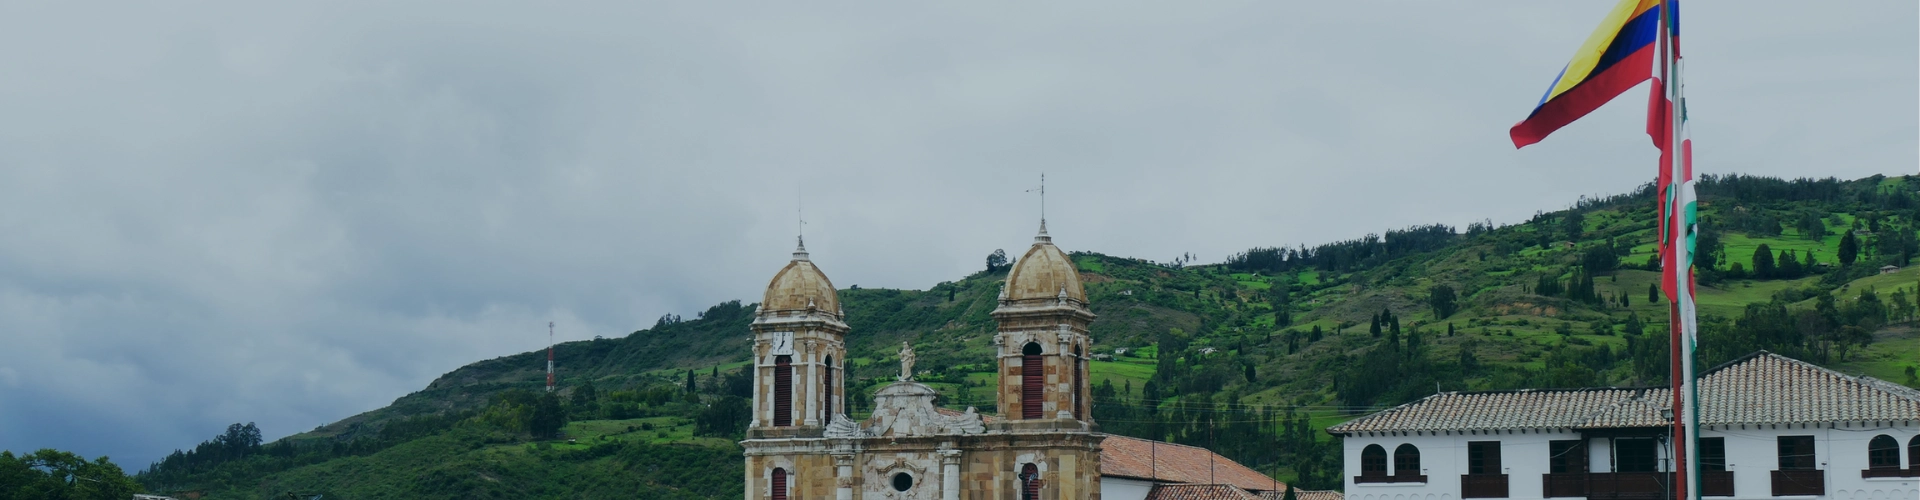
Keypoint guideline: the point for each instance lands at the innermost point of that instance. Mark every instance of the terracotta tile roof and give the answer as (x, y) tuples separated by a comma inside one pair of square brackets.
[(1760, 388), (1174, 463), (1770, 388), (1198, 492), (1303, 495)]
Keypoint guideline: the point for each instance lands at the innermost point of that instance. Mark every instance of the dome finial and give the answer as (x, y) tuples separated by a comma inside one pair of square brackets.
[(800, 253), (1042, 237)]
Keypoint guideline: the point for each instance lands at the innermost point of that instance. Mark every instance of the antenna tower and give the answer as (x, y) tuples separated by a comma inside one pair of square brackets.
[(549, 356)]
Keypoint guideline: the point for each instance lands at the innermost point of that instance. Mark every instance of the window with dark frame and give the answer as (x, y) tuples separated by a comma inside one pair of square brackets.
[(1796, 453), (1029, 482), (1567, 456), (1483, 457), (1913, 453), (826, 393), (779, 486), (1713, 454), (1883, 452), (782, 391), (1406, 461), (1636, 455), (1373, 461), (1033, 378)]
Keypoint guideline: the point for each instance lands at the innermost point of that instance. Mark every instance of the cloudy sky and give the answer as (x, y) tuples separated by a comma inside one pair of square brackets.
[(289, 213)]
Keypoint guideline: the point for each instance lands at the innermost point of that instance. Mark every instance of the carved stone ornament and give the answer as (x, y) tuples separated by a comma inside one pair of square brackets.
[(906, 409), (843, 427)]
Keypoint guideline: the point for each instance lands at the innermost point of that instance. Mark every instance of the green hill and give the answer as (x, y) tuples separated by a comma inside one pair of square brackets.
[(1251, 356)]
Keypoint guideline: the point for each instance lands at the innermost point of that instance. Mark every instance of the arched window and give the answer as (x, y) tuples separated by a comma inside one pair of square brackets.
[(1406, 460), (1913, 453), (1079, 365), (779, 487), (826, 391), (782, 391), (1029, 482), (1033, 379), (1883, 452), (1373, 461)]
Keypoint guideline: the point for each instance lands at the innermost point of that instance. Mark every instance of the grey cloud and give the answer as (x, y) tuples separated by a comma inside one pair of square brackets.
[(291, 213)]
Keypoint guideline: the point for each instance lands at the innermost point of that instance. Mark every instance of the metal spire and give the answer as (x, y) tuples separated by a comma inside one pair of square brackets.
[(800, 214), (1042, 237)]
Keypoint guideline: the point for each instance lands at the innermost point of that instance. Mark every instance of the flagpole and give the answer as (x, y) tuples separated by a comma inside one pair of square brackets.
[(1676, 326), (1686, 481), (1683, 165)]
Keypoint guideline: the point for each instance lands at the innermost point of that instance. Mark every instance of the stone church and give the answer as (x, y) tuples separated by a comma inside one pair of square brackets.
[(1042, 444)]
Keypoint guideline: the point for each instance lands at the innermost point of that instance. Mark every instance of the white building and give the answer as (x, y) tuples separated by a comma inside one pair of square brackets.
[(1772, 427)]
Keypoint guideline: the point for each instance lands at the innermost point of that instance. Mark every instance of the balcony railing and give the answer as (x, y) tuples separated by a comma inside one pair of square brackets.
[(1799, 482), (1629, 485), (1716, 483), (1397, 478), (1888, 472), (1483, 486)]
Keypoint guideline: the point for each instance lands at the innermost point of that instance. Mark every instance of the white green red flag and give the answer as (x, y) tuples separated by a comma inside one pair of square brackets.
[(1613, 59)]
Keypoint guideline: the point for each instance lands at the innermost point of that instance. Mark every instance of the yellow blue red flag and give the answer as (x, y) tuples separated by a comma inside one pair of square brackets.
[(1617, 56)]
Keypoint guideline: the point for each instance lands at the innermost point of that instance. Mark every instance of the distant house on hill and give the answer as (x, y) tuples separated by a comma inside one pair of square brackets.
[(1772, 427), (1889, 269)]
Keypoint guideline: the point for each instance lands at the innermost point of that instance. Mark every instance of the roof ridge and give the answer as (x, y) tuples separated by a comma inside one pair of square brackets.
[(1164, 442)]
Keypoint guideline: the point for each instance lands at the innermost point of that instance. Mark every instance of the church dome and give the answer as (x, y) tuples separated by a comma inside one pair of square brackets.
[(1044, 272), (800, 286)]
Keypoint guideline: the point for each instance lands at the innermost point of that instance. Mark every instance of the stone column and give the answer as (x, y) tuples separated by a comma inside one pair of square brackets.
[(810, 412), (949, 473), (843, 476)]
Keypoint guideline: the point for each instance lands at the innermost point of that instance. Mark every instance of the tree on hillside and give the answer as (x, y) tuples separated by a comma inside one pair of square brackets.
[(998, 261), (1810, 225), (1763, 262), (585, 394), (548, 417), (726, 417), (1787, 266), (1653, 293), (1442, 299), (1708, 250), (1374, 327), (690, 386), (51, 473), (1849, 248), (1314, 335)]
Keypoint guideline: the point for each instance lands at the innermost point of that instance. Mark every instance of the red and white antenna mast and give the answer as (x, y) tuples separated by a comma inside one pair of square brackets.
[(549, 356)]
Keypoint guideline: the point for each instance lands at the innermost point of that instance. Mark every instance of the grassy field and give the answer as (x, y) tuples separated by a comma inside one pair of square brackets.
[(1892, 352), (1123, 370)]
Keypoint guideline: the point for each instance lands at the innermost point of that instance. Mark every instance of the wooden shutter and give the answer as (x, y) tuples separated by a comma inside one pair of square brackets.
[(783, 391), (779, 484), (1029, 482), (1033, 380)]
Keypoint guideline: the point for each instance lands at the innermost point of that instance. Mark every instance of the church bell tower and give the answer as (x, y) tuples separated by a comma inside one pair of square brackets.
[(799, 351), (1043, 338)]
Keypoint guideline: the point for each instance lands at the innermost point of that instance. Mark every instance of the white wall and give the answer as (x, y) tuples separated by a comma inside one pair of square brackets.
[(1752, 454), (1120, 488), (1523, 457)]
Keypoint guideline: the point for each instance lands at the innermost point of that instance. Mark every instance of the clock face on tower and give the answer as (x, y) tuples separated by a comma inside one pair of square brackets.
[(782, 343)]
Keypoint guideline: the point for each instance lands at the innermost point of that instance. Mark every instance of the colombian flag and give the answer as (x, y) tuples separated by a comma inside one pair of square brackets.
[(1619, 55)]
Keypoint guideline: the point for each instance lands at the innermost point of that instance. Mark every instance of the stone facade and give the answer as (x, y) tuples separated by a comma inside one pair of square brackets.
[(909, 448)]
